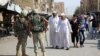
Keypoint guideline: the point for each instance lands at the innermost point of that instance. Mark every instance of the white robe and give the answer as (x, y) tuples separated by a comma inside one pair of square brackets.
[(64, 30), (90, 24), (53, 24)]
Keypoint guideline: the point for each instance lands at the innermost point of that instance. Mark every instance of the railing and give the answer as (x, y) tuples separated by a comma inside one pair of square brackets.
[(2, 31)]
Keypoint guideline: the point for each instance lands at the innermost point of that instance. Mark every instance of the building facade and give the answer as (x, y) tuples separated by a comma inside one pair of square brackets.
[(59, 7), (93, 6), (84, 7), (90, 6), (40, 5)]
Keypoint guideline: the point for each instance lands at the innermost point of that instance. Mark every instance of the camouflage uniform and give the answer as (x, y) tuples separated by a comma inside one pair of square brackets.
[(21, 35), (38, 37)]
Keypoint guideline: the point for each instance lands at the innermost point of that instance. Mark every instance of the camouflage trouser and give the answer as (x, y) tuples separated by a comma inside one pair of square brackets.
[(22, 41), (38, 37)]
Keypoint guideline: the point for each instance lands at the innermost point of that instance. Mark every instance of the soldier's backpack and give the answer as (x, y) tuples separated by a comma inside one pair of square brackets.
[(37, 24), (19, 26)]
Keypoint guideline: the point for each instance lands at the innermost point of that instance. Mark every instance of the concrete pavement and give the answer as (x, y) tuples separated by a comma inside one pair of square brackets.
[(8, 48)]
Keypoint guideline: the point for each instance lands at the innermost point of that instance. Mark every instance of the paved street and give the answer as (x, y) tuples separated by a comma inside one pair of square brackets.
[(8, 48)]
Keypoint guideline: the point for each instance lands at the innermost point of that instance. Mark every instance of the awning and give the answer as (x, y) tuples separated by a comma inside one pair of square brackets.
[(3, 2), (26, 11), (11, 7), (3, 5), (18, 9), (14, 7)]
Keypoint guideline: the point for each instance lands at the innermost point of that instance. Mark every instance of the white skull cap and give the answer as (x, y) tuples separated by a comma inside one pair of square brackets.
[(36, 11), (62, 14), (54, 11)]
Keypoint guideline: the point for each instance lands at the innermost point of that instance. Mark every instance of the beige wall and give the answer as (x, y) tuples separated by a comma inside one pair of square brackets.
[(91, 5), (84, 5), (24, 3), (59, 7), (40, 5), (1, 18)]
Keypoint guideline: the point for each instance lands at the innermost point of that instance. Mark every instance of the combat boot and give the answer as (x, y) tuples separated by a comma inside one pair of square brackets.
[(18, 49), (17, 52), (44, 54), (24, 52), (36, 54), (24, 55)]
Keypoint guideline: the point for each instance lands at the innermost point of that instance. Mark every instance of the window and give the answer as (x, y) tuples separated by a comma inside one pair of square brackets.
[(36, 1)]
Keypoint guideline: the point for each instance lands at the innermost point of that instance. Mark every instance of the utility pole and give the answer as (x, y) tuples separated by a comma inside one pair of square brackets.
[(98, 5), (52, 5), (33, 4)]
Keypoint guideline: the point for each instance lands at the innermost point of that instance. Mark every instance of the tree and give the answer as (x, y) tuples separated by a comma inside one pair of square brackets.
[(77, 11)]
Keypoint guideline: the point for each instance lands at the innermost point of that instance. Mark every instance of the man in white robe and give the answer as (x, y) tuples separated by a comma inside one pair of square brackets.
[(90, 23), (65, 31), (53, 24)]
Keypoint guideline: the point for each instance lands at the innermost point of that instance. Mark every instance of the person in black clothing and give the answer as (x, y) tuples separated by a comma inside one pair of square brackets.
[(95, 25), (75, 29)]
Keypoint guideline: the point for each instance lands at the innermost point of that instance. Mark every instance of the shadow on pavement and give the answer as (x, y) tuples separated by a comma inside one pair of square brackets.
[(91, 43), (98, 36), (99, 44), (58, 48), (39, 48), (89, 36), (30, 47), (49, 48), (7, 55), (99, 48)]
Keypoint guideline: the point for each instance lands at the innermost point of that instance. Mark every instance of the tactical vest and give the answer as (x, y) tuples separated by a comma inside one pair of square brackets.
[(19, 26), (37, 24)]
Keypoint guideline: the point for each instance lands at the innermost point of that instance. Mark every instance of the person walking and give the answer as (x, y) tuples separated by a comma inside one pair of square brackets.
[(90, 17), (64, 29), (53, 24), (82, 30), (21, 32), (75, 28), (38, 25), (95, 25)]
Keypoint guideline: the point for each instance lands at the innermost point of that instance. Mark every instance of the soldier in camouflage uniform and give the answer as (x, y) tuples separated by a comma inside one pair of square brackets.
[(38, 25), (21, 33)]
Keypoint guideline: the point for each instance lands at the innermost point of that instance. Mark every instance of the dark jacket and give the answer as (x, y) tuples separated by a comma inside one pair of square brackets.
[(95, 22), (75, 26)]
